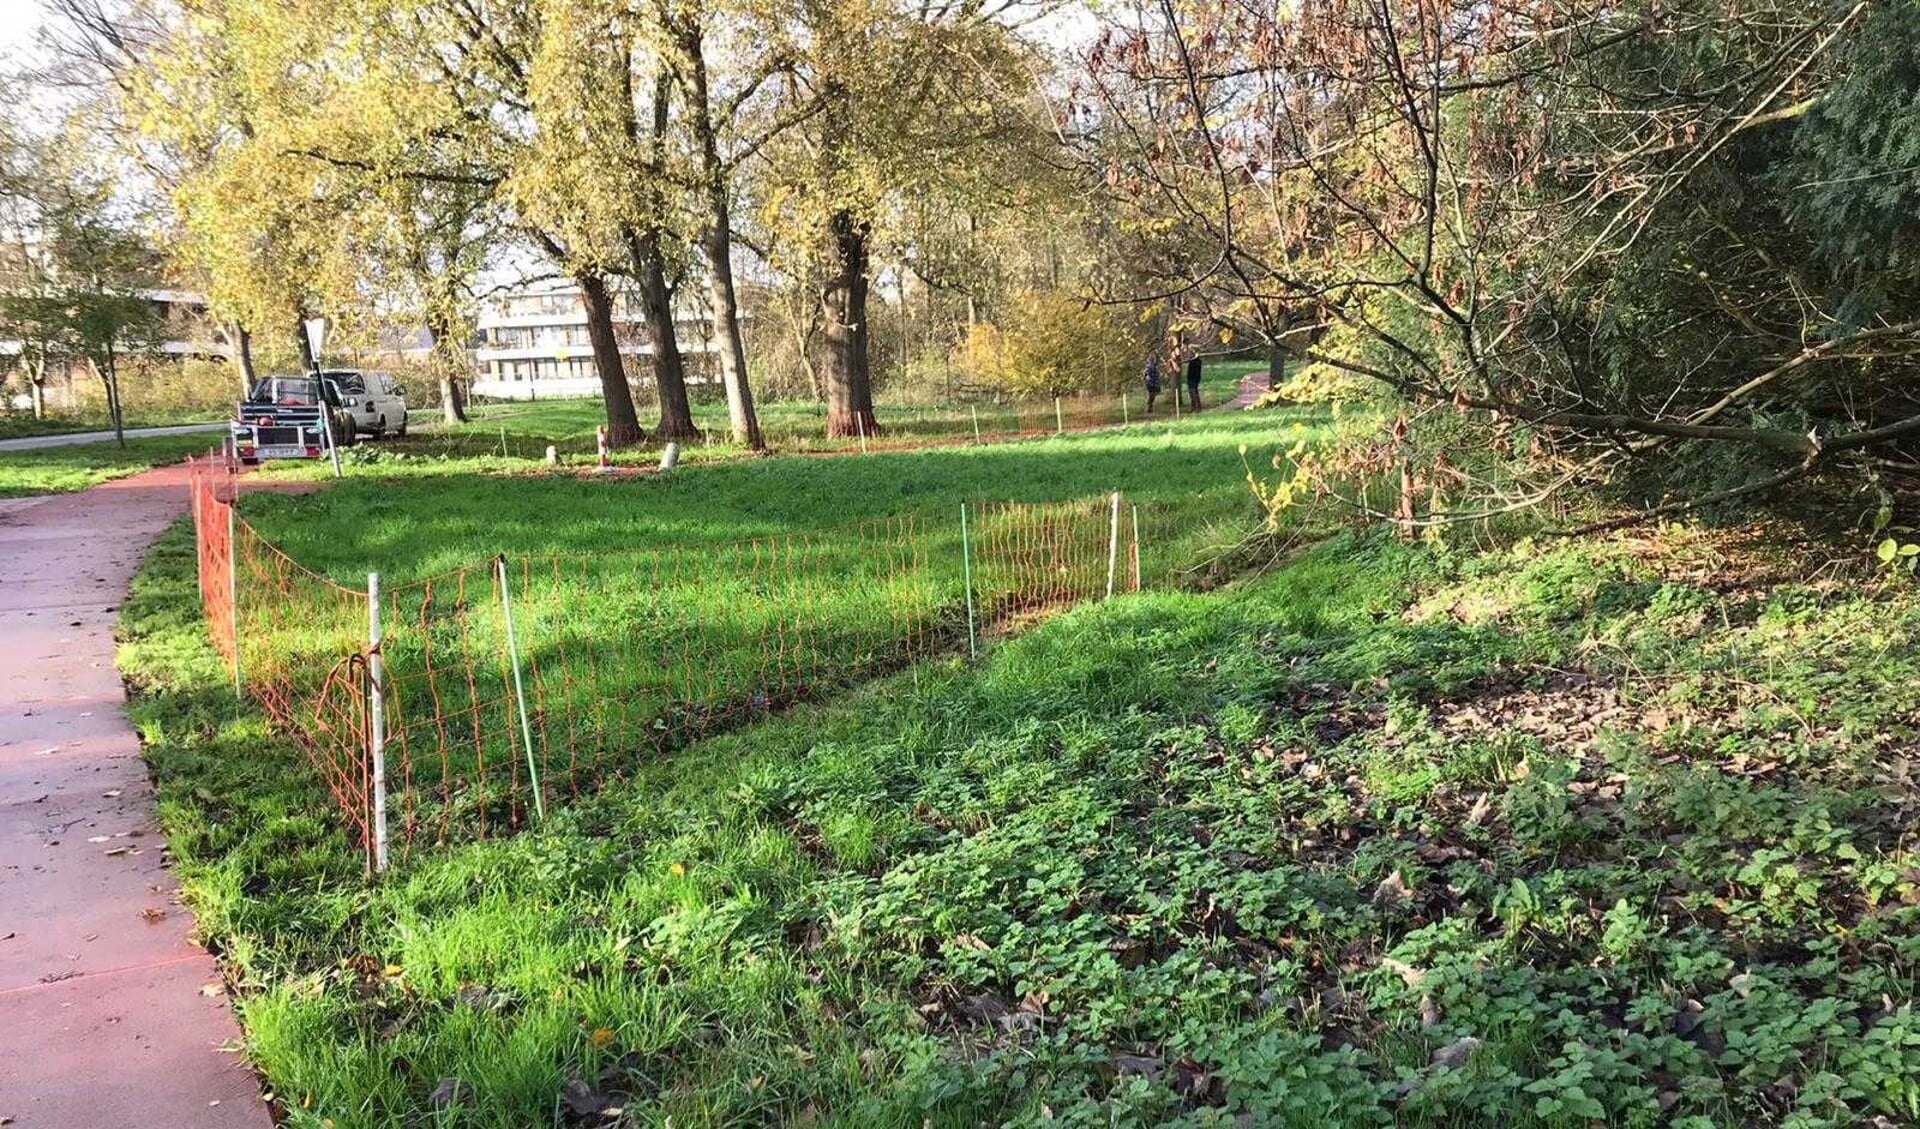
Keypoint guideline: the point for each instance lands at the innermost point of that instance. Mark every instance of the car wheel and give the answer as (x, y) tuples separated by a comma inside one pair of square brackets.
[(346, 434), (401, 431)]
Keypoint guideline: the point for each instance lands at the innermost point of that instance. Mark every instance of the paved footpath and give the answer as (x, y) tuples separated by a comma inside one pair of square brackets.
[(110, 1016), (1252, 387)]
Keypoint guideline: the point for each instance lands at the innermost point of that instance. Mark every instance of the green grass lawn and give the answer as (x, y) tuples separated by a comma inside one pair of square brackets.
[(16, 425), (519, 434), (58, 470), (412, 517), (1608, 833), (652, 610), (524, 430)]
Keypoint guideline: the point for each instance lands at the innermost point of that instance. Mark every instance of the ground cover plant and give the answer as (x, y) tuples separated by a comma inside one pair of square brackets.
[(1546, 835)]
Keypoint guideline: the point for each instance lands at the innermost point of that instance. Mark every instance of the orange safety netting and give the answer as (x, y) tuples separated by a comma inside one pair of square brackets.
[(511, 686), (294, 640)]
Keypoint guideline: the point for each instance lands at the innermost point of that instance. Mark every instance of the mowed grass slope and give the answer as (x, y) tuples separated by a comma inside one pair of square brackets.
[(644, 617), (1599, 834), (412, 519), (59, 470), (528, 427)]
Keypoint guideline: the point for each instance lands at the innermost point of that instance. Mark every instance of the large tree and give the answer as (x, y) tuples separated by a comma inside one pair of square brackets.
[(897, 101), (1569, 217), (82, 271), (729, 114)]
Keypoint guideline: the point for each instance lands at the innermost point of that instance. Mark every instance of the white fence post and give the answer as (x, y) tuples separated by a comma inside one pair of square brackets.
[(376, 724), (1059, 421), (1113, 543), (519, 689)]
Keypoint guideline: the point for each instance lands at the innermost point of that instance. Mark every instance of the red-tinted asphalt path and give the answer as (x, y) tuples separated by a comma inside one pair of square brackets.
[(1252, 387), (103, 1021)]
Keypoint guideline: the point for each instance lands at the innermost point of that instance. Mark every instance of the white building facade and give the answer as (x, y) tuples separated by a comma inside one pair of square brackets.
[(532, 342)]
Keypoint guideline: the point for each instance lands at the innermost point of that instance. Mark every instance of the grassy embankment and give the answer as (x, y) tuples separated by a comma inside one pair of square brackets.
[(18, 425), (519, 433), (641, 612), (1605, 832), (59, 470), (516, 436)]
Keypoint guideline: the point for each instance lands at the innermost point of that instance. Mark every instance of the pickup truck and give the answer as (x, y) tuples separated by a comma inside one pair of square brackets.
[(287, 417), (296, 417)]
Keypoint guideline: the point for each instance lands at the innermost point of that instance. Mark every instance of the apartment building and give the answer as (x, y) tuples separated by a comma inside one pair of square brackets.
[(532, 342), (184, 331)]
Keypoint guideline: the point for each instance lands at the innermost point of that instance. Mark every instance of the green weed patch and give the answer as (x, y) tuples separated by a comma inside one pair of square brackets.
[(1530, 838)]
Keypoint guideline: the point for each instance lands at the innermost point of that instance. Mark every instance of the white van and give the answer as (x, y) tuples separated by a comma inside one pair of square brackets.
[(371, 401)]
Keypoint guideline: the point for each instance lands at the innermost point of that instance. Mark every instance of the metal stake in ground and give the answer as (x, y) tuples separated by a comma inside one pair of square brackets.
[(376, 726), (1059, 421), (326, 428), (1136, 548), (316, 331), (974, 408), (519, 689), (966, 565), (1113, 543)]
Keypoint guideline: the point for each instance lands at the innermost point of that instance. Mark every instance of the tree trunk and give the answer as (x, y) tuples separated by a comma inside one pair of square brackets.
[(35, 366), (726, 326), (849, 387), (103, 367), (445, 351), (1276, 364), (719, 240), (623, 423), (451, 408), (308, 362), (242, 340), (669, 373)]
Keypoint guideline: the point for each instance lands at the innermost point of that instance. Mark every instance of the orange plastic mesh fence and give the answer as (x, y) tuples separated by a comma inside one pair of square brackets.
[(295, 640), (907, 428), (510, 687)]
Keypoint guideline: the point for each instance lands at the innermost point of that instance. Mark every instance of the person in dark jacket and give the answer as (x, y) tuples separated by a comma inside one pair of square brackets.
[(1193, 382), (1153, 380)]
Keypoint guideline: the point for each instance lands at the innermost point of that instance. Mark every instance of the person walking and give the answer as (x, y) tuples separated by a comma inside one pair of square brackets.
[(1153, 380), (1193, 382)]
